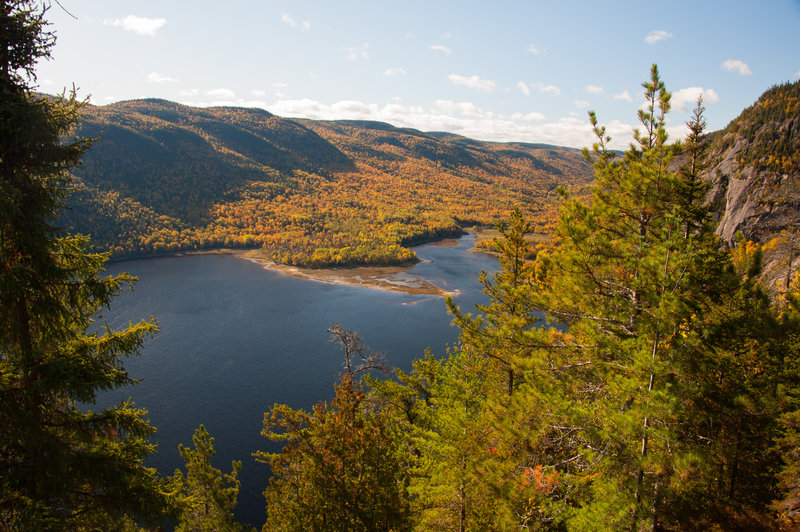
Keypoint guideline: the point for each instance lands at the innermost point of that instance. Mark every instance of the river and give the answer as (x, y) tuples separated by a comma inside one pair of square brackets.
[(236, 337)]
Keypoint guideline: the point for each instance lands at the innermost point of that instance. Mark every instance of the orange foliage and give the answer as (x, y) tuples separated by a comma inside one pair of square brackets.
[(539, 479)]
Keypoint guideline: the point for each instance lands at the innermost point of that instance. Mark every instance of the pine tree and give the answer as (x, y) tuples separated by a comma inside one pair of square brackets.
[(498, 331), (691, 188), (210, 495), (61, 466), (652, 398)]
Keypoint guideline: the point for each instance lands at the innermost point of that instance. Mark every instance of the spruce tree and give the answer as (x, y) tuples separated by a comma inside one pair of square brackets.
[(63, 465)]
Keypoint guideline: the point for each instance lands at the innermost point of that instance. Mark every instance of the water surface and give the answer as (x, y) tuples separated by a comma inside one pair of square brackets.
[(236, 338)]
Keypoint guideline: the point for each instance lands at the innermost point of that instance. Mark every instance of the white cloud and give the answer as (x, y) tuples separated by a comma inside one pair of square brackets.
[(685, 99), (657, 35), (190, 92), (221, 99), (797, 74), (258, 93), (593, 89), (353, 108), (304, 108), (533, 49), (521, 85), (624, 95), (440, 48), (394, 72), (225, 94), (461, 108), (155, 77), (462, 118), (581, 104), (287, 19), (734, 64), (529, 117), (473, 82), (140, 25), (355, 53), (547, 89), (278, 89)]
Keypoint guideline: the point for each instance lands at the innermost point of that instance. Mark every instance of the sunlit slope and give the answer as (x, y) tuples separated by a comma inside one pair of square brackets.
[(167, 177)]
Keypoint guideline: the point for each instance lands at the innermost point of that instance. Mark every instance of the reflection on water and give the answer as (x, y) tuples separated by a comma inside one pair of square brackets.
[(236, 338)]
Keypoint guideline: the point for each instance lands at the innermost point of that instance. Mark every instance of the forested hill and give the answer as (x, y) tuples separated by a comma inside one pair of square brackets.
[(754, 172), (167, 177)]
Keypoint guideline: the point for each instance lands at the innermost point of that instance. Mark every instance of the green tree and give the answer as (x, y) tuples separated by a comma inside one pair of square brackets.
[(210, 495), (691, 188), (61, 466), (651, 400), (454, 455), (499, 331)]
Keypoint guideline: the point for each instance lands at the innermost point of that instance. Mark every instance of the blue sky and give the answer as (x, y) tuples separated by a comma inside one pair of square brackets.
[(501, 71)]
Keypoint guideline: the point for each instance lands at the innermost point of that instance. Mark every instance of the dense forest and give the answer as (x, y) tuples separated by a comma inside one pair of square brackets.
[(166, 178), (634, 375), (637, 376)]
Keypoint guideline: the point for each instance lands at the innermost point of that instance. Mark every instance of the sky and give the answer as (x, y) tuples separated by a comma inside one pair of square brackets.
[(506, 71)]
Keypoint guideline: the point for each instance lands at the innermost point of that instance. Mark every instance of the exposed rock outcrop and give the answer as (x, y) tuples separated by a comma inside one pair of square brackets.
[(754, 174)]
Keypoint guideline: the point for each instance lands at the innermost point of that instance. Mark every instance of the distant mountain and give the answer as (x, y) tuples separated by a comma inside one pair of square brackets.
[(179, 160), (167, 177), (755, 177)]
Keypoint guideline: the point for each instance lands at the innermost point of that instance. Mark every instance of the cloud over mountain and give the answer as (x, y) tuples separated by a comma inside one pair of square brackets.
[(155, 77), (685, 99)]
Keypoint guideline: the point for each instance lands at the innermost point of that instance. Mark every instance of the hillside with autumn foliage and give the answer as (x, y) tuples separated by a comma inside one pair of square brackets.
[(164, 177), (754, 177)]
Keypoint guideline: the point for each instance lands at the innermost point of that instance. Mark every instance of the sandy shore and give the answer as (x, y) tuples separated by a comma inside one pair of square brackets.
[(393, 278)]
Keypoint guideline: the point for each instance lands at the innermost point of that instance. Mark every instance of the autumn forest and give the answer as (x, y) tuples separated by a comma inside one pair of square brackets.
[(635, 368), (168, 178)]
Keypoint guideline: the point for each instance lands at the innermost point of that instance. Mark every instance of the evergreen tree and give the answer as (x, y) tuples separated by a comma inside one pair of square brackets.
[(61, 467), (210, 495), (690, 188), (498, 332), (652, 399), (453, 451)]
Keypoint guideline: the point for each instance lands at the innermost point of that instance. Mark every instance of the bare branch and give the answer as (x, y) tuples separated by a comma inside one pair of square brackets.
[(358, 358)]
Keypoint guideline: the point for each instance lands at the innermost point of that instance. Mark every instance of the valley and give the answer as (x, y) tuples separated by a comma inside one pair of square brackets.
[(166, 178)]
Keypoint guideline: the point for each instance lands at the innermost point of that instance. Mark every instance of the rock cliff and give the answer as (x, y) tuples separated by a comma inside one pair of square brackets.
[(754, 174)]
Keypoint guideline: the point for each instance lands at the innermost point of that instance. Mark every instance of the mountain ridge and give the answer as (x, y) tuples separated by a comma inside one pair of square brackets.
[(169, 177)]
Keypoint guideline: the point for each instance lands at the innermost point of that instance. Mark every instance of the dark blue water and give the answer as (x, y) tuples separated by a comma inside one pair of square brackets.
[(236, 338)]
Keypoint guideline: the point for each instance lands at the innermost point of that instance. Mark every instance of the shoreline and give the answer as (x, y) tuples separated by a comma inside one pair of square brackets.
[(390, 278), (377, 277)]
